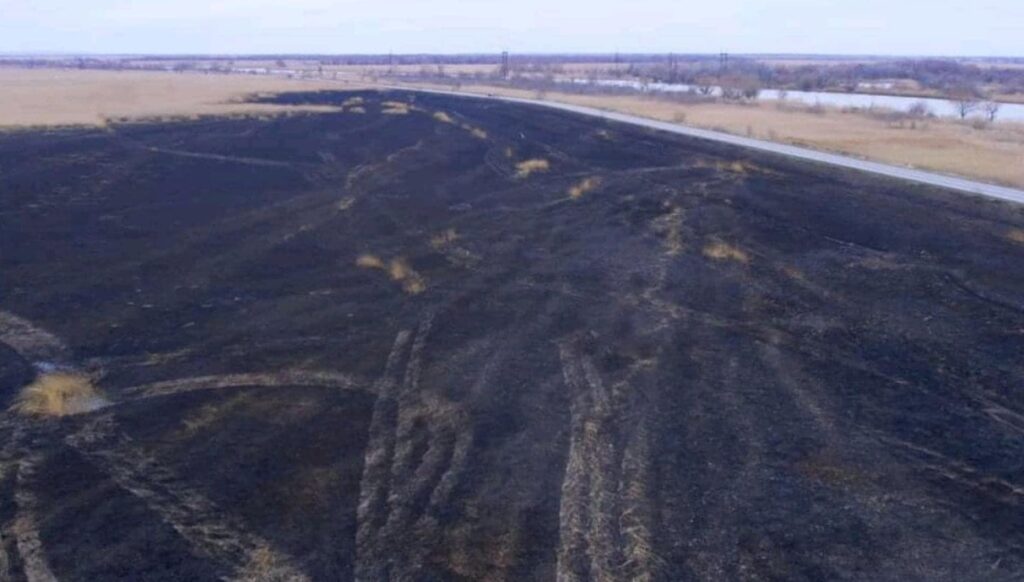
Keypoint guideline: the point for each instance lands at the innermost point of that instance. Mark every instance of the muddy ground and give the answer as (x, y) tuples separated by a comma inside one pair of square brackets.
[(376, 345)]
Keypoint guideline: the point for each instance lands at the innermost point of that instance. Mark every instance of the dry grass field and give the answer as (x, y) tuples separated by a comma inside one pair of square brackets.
[(73, 97), (39, 97), (994, 154)]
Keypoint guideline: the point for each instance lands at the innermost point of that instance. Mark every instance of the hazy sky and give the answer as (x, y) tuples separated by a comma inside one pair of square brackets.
[(907, 27)]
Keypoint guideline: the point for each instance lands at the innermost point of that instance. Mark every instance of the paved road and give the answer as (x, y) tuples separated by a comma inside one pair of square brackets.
[(930, 178)]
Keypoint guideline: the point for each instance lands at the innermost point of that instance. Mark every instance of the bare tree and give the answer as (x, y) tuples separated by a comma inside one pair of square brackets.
[(705, 85), (751, 89), (919, 109), (991, 109), (965, 99)]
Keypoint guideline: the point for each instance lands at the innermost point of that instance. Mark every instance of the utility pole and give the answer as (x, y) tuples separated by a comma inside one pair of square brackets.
[(723, 61), (506, 67)]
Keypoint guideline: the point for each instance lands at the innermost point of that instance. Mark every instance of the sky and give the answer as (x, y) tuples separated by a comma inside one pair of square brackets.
[(890, 27)]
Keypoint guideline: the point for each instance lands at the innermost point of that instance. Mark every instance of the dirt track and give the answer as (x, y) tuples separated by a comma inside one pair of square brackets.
[(369, 346)]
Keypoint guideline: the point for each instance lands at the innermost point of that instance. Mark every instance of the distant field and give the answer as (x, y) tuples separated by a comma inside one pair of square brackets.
[(73, 97), (994, 154)]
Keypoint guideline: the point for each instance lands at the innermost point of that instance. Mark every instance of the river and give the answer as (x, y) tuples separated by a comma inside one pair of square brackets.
[(939, 107)]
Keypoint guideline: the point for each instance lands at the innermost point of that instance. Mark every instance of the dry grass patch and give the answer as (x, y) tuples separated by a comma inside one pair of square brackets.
[(443, 239), (395, 108), (721, 251), (672, 226), (443, 117), (586, 185), (370, 262), (352, 101), (59, 394), (346, 203), (398, 269), (475, 132), (1016, 235), (41, 97), (357, 110), (525, 168), (402, 272)]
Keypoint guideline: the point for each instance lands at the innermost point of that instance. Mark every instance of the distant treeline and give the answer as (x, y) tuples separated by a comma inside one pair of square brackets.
[(944, 76)]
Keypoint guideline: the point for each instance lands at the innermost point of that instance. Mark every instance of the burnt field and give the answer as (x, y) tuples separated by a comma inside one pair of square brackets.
[(429, 338)]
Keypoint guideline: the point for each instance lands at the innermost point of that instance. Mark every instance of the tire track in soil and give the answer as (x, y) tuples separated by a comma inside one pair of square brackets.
[(33, 343), (371, 514), (37, 346), (26, 523), (261, 380), (605, 528), (417, 449), (200, 522)]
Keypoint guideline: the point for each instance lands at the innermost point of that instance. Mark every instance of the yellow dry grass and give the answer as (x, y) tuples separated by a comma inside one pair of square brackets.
[(475, 132), (586, 185), (398, 269), (45, 97), (721, 251), (1016, 235), (370, 262), (402, 272), (444, 238), (59, 394), (395, 108), (525, 168), (993, 154), (443, 117)]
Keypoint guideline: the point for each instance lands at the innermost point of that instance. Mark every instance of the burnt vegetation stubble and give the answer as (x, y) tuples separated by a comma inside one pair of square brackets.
[(707, 364)]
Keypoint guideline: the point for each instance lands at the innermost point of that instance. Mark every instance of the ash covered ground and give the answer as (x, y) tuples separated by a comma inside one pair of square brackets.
[(431, 338)]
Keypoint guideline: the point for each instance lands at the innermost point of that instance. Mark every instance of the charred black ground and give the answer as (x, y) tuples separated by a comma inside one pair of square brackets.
[(376, 344)]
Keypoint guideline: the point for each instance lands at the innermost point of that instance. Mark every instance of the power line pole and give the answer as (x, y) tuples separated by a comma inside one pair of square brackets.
[(506, 67)]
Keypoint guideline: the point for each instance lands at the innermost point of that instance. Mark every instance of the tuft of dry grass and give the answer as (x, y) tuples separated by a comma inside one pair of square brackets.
[(395, 108), (721, 251), (586, 185), (737, 167), (475, 132), (527, 167), (59, 394), (1016, 235), (443, 117), (352, 101), (346, 203), (370, 262), (398, 269), (358, 110), (444, 239), (412, 282)]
